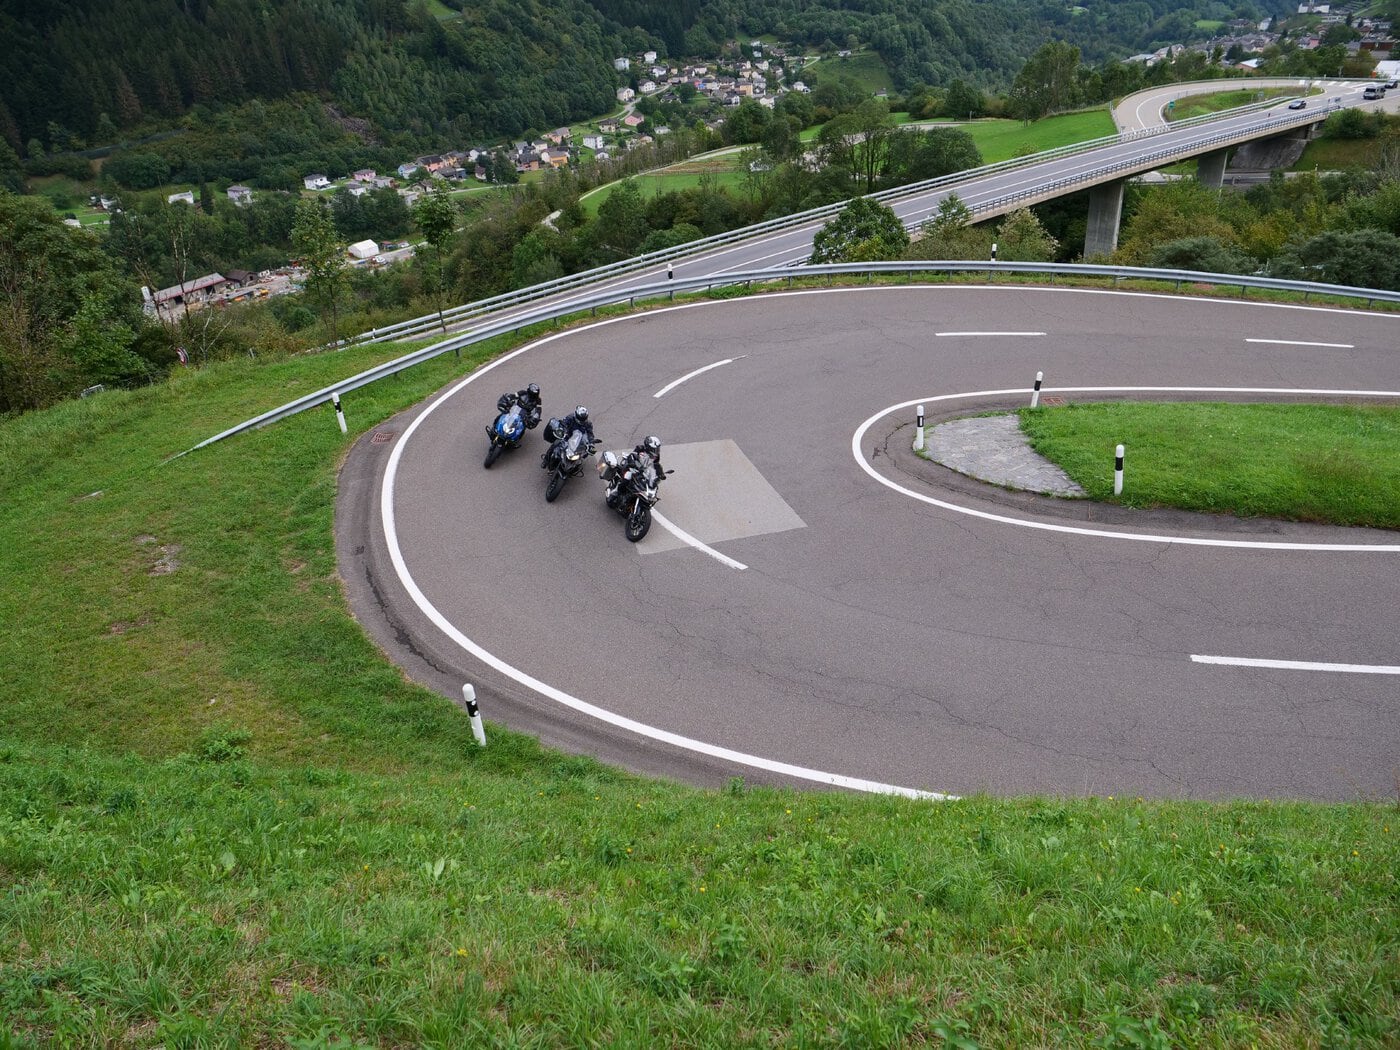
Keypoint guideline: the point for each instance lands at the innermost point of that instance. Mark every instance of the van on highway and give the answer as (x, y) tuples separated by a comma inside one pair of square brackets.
[(1372, 91)]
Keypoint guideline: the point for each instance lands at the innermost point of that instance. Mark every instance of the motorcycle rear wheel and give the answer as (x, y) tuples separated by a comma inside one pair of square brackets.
[(556, 485), (492, 454), (638, 522)]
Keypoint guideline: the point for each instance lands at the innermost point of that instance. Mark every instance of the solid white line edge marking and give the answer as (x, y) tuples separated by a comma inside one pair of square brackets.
[(691, 375), (1294, 665), (942, 335), (391, 540), (1144, 537), (1299, 342), (704, 548), (836, 780)]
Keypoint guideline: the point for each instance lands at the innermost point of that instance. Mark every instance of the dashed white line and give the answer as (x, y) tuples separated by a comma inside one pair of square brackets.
[(691, 375), (945, 334), (704, 548), (1294, 665), (1299, 342)]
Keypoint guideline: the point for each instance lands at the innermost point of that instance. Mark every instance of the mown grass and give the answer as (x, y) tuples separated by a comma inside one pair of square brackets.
[(1338, 464), (1003, 139), (226, 821), (1329, 154), (866, 68), (1199, 105)]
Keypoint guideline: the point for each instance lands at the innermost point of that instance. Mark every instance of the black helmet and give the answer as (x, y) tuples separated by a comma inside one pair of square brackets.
[(581, 414), (533, 390), (653, 444)]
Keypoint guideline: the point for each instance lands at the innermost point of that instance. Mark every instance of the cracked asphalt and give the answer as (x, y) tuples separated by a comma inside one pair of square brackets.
[(888, 639)]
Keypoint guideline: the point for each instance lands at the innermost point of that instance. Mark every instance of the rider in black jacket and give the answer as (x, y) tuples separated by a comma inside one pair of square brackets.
[(529, 401), (577, 420), (650, 446)]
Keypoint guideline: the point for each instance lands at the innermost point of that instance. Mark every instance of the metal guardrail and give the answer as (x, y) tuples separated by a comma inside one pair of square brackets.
[(669, 289), (506, 300)]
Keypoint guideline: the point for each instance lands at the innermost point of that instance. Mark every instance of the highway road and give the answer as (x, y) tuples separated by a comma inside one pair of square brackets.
[(853, 615)]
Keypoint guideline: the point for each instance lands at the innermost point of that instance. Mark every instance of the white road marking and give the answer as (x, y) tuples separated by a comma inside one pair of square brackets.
[(1298, 342), (686, 538), (686, 743), (416, 595), (1295, 665), (943, 334), (691, 375), (1143, 537)]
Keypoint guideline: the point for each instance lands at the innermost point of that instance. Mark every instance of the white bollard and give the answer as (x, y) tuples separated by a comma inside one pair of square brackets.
[(994, 251), (339, 415), (670, 273), (919, 431), (1035, 394), (474, 713), (1118, 471)]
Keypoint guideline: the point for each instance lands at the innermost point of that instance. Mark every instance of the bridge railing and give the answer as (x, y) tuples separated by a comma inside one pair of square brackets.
[(509, 300), (670, 288)]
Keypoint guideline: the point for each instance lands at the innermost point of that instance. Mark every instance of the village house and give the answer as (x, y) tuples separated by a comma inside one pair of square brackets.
[(622, 64), (356, 188), (366, 175), (240, 195), (625, 94), (648, 56), (193, 293), (406, 169), (593, 142), (559, 136), (607, 127), (315, 182), (648, 87), (632, 120), (240, 278)]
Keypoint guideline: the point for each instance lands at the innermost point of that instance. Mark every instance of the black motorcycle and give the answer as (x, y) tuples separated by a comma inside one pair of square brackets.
[(564, 459), (632, 491)]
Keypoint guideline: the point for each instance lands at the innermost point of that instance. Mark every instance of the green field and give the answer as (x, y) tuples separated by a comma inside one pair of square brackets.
[(722, 171), (1199, 105), (1322, 463), (1328, 154), (225, 820), (866, 68), (1003, 139)]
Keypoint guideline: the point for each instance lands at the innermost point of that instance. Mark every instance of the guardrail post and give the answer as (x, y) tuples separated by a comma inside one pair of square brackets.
[(919, 430), (1118, 471), (339, 415), (1035, 393)]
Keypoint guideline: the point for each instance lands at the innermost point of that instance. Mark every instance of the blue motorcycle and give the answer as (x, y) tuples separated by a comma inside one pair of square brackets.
[(506, 432)]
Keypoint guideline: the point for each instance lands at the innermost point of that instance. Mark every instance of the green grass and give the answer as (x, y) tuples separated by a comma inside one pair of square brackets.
[(226, 821), (1003, 139), (1324, 463), (866, 68), (1199, 105), (723, 171), (1329, 154)]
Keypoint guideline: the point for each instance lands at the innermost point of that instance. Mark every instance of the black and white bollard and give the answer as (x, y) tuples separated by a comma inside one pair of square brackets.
[(1035, 394), (474, 713), (919, 431), (670, 273), (994, 251), (339, 415), (1118, 471)]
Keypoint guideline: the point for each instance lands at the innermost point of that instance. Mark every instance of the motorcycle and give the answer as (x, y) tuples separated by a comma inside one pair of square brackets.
[(565, 459), (632, 492), (505, 432)]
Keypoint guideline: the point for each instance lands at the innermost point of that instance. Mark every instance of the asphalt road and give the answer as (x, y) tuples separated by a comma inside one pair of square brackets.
[(882, 637)]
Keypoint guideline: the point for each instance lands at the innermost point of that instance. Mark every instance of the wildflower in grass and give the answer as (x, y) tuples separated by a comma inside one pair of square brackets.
[(462, 952), (702, 889)]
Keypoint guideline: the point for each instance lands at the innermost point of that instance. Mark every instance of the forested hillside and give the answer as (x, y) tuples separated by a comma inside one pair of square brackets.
[(78, 72), (84, 72)]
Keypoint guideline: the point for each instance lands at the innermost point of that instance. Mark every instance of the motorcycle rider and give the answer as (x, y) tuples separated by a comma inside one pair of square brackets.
[(576, 421), (648, 448), (529, 401)]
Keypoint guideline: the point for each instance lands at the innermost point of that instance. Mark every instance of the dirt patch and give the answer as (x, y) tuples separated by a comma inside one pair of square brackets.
[(122, 626), (169, 560)]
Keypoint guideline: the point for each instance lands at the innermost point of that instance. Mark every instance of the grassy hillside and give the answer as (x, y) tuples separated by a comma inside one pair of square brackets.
[(226, 821)]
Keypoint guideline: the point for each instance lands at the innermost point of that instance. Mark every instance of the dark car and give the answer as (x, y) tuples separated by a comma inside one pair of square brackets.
[(1297, 103)]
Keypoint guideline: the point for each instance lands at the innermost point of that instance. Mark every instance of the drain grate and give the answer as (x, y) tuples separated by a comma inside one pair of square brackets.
[(1047, 400), (383, 437)]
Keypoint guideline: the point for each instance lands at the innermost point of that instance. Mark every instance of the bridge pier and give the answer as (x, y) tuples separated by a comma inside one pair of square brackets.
[(1105, 216), (1210, 168)]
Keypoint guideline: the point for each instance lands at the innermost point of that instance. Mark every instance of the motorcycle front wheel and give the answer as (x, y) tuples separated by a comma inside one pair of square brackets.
[(638, 522), (556, 485), (492, 454)]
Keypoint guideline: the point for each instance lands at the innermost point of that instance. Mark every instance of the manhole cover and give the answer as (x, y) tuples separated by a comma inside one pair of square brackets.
[(1048, 400), (383, 437)]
